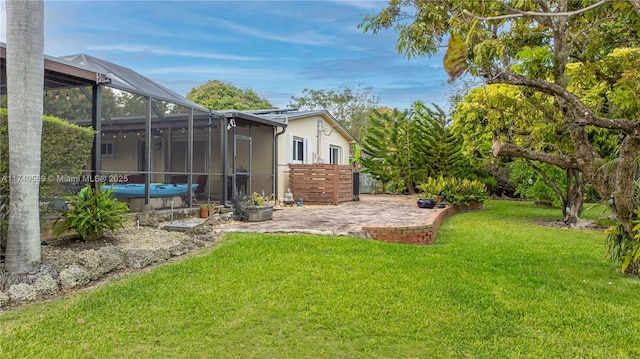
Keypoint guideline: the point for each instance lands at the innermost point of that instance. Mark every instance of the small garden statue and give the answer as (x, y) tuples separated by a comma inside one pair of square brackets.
[(288, 198)]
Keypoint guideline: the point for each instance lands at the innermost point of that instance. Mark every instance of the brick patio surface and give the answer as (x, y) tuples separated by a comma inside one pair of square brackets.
[(347, 218)]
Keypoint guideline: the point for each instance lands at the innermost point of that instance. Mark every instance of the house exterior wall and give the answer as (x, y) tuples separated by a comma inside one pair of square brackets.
[(306, 128)]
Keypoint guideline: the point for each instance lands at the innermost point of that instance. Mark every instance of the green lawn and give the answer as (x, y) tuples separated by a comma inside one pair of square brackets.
[(494, 285)]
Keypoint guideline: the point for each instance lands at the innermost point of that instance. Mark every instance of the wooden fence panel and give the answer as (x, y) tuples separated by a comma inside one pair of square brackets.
[(321, 183)]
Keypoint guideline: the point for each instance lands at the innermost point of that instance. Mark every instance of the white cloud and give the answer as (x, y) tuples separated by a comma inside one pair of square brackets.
[(305, 38), (136, 48), (220, 72)]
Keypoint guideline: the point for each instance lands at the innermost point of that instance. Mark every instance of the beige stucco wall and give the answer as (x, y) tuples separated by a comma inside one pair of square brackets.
[(307, 127), (125, 158)]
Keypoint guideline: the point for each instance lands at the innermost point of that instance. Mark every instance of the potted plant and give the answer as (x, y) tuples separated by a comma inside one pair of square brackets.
[(207, 210), (432, 192), (204, 211), (257, 207)]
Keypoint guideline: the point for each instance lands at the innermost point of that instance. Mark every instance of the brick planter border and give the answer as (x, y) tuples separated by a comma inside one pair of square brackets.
[(424, 234)]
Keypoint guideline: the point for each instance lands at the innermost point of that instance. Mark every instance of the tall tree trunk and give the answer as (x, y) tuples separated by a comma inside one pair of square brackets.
[(25, 80), (574, 200), (625, 176)]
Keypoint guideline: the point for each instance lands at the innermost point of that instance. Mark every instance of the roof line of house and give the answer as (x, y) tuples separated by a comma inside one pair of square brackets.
[(290, 114)]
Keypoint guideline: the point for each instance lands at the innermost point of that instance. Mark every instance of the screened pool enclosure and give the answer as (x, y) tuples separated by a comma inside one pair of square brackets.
[(150, 136)]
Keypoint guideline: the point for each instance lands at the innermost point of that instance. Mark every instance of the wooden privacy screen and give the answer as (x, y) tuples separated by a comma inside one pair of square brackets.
[(321, 184)]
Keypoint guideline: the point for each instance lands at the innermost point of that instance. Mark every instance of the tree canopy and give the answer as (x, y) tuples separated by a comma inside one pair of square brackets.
[(404, 148), (217, 95), (350, 106), (534, 45)]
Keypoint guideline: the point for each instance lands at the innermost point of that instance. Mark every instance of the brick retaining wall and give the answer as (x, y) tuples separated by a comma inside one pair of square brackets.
[(423, 234)]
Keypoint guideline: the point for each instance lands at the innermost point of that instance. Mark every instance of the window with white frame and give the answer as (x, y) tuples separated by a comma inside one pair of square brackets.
[(334, 154), (106, 149), (298, 149)]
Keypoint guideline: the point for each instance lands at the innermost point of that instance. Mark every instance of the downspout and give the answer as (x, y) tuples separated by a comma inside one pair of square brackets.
[(275, 166), (319, 136)]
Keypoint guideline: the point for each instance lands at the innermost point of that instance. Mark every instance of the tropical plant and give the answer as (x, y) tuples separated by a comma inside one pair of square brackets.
[(433, 187), (260, 199), (623, 249), (356, 160), (409, 146), (632, 259), (92, 212), (64, 150), (454, 190)]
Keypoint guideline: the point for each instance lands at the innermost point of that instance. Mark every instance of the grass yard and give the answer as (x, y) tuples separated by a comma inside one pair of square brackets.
[(494, 285)]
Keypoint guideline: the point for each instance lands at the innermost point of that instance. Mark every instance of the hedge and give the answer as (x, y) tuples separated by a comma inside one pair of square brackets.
[(66, 147)]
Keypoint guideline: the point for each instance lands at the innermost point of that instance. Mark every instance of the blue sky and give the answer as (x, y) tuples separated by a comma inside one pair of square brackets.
[(276, 48)]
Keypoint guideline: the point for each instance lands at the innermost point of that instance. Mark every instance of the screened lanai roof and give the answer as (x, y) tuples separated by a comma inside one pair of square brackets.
[(58, 73), (125, 79), (85, 70)]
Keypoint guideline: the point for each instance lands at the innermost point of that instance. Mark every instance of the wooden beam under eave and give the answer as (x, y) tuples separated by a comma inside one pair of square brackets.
[(54, 66)]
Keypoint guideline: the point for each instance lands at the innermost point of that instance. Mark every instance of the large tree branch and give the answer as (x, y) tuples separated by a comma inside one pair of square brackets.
[(636, 5), (519, 13), (588, 117), (548, 180), (510, 150)]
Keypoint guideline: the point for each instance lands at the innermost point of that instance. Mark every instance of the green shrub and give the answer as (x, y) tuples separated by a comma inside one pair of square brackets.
[(455, 190), (433, 187), (91, 212), (617, 243), (64, 152), (65, 148), (257, 199), (532, 185), (623, 248)]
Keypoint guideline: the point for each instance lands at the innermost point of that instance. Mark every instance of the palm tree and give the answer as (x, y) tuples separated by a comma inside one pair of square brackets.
[(25, 80)]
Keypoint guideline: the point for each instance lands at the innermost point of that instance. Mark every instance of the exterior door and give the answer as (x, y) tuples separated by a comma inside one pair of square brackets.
[(241, 176)]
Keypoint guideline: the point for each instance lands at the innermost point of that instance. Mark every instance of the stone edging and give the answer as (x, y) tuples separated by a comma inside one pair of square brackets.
[(423, 234), (90, 265)]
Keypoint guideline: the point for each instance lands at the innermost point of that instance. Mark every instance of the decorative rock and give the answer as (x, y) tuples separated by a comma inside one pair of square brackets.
[(72, 277), (70, 266), (22, 292), (199, 242), (140, 258), (4, 299), (111, 258), (214, 220), (228, 216), (148, 217), (206, 227), (49, 269), (177, 250), (45, 285), (90, 260)]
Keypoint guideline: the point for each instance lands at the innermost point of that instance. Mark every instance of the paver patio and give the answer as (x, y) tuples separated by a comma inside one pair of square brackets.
[(347, 218)]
